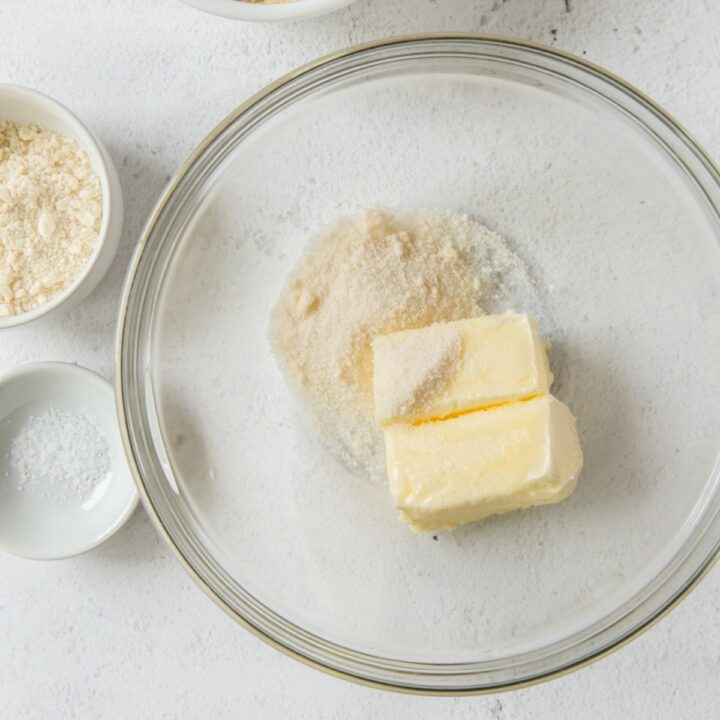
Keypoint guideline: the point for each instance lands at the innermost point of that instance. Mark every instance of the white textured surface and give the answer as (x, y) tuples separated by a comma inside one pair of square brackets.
[(123, 631)]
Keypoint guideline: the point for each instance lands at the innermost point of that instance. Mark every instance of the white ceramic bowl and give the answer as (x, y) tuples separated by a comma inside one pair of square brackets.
[(42, 528), (22, 105), (261, 12)]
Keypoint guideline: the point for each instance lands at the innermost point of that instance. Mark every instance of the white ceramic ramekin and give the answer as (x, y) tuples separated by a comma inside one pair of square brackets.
[(22, 105), (31, 525), (268, 12)]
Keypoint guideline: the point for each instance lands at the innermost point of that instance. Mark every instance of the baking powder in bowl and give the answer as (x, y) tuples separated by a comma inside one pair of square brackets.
[(59, 455)]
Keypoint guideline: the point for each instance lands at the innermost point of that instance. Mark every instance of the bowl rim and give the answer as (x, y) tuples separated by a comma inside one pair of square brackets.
[(639, 627), (60, 372), (110, 198), (267, 12)]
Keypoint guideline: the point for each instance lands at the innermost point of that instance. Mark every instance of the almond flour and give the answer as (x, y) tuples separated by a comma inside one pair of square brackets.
[(50, 213), (372, 275)]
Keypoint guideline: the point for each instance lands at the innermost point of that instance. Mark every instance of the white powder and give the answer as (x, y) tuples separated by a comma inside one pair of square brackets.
[(408, 373), (372, 275), (60, 455), (50, 212)]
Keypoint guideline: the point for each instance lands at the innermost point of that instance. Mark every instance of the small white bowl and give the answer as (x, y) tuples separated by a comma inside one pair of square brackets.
[(22, 105), (270, 12), (33, 525)]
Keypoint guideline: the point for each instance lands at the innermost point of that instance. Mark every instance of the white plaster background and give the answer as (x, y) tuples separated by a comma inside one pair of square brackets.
[(123, 631)]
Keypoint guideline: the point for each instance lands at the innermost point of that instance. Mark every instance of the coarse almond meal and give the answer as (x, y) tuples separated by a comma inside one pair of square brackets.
[(50, 214)]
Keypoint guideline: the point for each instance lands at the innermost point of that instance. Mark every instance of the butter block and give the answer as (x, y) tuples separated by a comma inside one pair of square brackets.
[(450, 368), (462, 469)]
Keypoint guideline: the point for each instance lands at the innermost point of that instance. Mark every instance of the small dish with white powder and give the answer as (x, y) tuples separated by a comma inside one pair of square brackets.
[(64, 482), (61, 207)]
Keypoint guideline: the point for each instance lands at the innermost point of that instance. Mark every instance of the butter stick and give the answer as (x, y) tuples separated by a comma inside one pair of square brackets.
[(450, 368), (454, 471)]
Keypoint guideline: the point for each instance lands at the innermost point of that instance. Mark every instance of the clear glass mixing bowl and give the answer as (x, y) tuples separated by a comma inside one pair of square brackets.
[(613, 209)]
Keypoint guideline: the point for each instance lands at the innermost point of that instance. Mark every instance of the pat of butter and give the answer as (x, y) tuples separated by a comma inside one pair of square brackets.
[(450, 368), (449, 472)]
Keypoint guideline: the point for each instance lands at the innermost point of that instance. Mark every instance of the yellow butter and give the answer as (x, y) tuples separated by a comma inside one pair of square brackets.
[(462, 469), (451, 368)]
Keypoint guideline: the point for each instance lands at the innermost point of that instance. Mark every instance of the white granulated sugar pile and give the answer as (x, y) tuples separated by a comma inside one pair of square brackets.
[(59, 455), (50, 213), (371, 275), (410, 372)]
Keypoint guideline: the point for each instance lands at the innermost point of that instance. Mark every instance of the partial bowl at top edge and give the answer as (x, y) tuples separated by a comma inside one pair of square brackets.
[(268, 12)]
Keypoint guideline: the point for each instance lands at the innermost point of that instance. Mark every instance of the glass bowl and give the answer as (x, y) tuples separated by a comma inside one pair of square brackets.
[(613, 209)]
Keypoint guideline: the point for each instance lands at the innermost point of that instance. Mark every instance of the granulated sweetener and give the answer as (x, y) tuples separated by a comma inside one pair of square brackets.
[(414, 371)]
